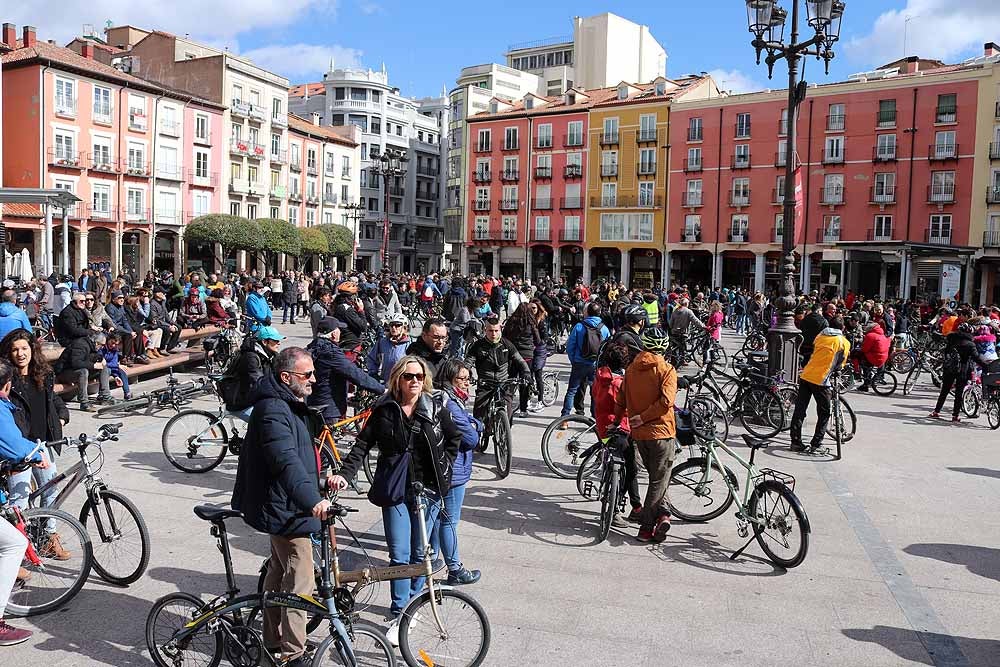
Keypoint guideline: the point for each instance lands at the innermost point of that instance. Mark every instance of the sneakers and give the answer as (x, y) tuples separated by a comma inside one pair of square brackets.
[(85, 407), (645, 535), (956, 420), (54, 549), (142, 359), (9, 636), (392, 633), (620, 521), (463, 576), (635, 516), (521, 414), (797, 447), (662, 528), (934, 415)]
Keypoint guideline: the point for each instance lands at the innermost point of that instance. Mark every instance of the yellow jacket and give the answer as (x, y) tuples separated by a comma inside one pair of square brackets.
[(830, 352)]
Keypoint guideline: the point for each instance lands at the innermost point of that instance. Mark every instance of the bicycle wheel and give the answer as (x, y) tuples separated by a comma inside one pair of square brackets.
[(911, 380), (53, 582), (122, 553), (588, 475), (694, 496), (970, 401), (171, 613), (756, 341), (992, 409), (369, 644), (501, 443), (788, 394), (195, 441), (718, 353), (563, 442), (708, 418), (761, 412), (550, 389), (783, 529), (847, 418), (901, 361), (466, 637), (124, 407), (609, 501), (369, 464), (884, 383)]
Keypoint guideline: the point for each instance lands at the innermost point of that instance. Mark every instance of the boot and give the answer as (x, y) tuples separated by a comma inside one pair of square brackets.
[(54, 549)]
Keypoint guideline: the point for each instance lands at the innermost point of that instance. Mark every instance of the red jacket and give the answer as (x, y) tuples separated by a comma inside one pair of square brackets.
[(875, 347), (604, 393)]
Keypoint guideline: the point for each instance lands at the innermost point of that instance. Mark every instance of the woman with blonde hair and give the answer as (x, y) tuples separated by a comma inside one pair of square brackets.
[(417, 441)]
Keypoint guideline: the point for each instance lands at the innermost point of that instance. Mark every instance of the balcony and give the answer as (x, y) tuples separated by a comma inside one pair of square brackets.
[(482, 148), (571, 203), (946, 115), (481, 205), (780, 159), (995, 151), (295, 196), (783, 127), (542, 234), (426, 195), (425, 170), (66, 108), (739, 236), (647, 135), (692, 235), (941, 194), (695, 134), (482, 176), (170, 128), (833, 196), (691, 199), (239, 147), (833, 156), (942, 152), (511, 146), (879, 235), (885, 119), (884, 154), (137, 168), (510, 175), (203, 139), (137, 121), (572, 140), (835, 122), (279, 119), (573, 171), (743, 130), (312, 200), (543, 172), (330, 198), (937, 236), (139, 215), (174, 217), (609, 138), (646, 168), (257, 113), (828, 235), (609, 170), (312, 169), (740, 162), (345, 173), (882, 194), (170, 172), (739, 199), (239, 108), (494, 235), (571, 235), (278, 192), (279, 157), (991, 239), (778, 196), (543, 204), (397, 191), (103, 117), (104, 164), (509, 204), (255, 151), (993, 194), (295, 165), (107, 213), (692, 165), (605, 201), (65, 158)]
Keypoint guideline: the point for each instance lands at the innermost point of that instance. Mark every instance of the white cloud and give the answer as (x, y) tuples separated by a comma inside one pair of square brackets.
[(735, 81), (302, 61), (943, 29)]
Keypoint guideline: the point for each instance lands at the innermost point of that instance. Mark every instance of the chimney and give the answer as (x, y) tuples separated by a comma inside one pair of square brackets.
[(9, 35), (315, 117), (28, 36), (87, 49), (910, 65), (989, 49)]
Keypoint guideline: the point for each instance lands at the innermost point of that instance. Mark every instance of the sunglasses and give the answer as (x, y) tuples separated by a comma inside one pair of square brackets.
[(445, 337), (303, 375), (412, 377)]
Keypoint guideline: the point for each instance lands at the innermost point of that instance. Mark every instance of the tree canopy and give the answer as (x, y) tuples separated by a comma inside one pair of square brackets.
[(339, 238), (314, 242), (279, 236), (231, 232)]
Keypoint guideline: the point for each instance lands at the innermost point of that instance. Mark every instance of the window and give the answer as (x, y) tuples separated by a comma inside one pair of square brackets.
[(167, 211), (693, 194), (741, 191), (345, 196), (168, 166), (201, 127), (339, 93), (694, 159), (781, 157), (311, 188), (101, 153), (133, 198), (647, 161), (646, 194), (275, 212), (483, 141), (510, 138), (575, 160), (136, 157), (252, 175), (296, 159), (834, 149), (482, 199), (835, 119), (542, 228), (942, 186), (647, 127), (571, 228), (65, 146), (310, 217), (574, 133), (886, 113), (739, 226), (275, 145), (137, 112), (510, 196), (481, 227), (947, 107), (311, 158), (944, 145), (202, 204), (831, 228), (885, 148), (883, 228), (328, 217), (510, 167), (345, 166), (293, 215), (660, 88), (626, 226), (610, 130), (255, 101), (544, 165), (779, 190), (293, 185), (609, 163), (509, 228), (833, 189), (275, 179), (276, 108), (742, 157), (236, 171), (692, 228), (65, 97), (201, 164), (694, 129), (234, 208), (783, 123), (376, 125), (545, 136), (101, 200), (885, 188), (940, 230), (102, 104), (742, 126), (399, 130), (236, 133), (253, 136), (609, 194), (779, 227), (359, 94), (237, 93)]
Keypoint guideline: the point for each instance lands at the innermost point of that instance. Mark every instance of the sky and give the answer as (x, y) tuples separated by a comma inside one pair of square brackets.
[(424, 45)]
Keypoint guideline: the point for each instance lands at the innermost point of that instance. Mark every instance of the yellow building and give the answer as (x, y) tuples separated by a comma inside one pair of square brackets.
[(984, 223), (627, 179)]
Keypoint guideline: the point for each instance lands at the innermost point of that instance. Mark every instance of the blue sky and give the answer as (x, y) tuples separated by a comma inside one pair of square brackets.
[(424, 45)]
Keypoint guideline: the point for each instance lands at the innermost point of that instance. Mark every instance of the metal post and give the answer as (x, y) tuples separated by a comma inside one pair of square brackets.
[(65, 241), (385, 224)]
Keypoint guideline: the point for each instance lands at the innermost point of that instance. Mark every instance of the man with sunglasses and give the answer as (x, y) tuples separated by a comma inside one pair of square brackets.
[(334, 371), (494, 357), (430, 346), (390, 347)]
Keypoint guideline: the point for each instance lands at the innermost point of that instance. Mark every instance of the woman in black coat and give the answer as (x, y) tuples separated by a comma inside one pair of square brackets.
[(521, 330), (960, 358)]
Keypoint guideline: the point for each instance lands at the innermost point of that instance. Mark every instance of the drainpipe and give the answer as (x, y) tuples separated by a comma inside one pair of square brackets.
[(666, 204), (47, 232), (804, 279), (718, 203), (904, 277), (528, 202), (152, 197)]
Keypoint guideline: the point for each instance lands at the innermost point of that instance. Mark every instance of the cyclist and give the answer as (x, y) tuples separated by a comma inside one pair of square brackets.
[(389, 348), (348, 309), (252, 362), (873, 354), (583, 349), (493, 357), (682, 319), (647, 397), (830, 353), (334, 371), (652, 307), (634, 319)]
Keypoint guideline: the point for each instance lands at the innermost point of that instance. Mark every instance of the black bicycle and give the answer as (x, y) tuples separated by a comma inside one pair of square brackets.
[(175, 395), (611, 491), (496, 423)]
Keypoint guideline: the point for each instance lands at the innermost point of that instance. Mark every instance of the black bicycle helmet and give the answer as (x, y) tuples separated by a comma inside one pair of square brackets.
[(654, 339), (633, 314)]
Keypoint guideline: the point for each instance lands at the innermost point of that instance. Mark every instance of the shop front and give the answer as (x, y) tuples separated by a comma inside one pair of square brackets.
[(645, 268)]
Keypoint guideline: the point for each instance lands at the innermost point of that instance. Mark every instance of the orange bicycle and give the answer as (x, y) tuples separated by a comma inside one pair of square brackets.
[(345, 431)]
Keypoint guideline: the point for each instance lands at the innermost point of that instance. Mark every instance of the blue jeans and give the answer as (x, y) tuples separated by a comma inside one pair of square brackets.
[(580, 377), (285, 309), (20, 484), (402, 536), (120, 374), (444, 540)]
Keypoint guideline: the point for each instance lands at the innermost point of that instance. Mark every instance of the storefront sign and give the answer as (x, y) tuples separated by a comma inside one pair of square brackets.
[(951, 280)]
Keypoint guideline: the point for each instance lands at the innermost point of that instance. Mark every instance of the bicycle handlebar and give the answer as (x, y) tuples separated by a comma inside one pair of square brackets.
[(105, 432)]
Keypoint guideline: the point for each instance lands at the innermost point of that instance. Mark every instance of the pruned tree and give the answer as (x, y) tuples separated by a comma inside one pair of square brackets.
[(230, 232), (278, 236), (339, 238)]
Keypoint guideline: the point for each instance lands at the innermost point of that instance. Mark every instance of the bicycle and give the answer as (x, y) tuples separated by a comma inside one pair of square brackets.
[(927, 362), (222, 348), (44, 328), (772, 522), (610, 469), (182, 629), (48, 586), (496, 425), (120, 544), (751, 397), (565, 442), (883, 381), (174, 395)]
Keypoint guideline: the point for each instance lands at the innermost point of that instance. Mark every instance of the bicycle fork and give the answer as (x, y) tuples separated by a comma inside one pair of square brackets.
[(422, 509), (97, 501)]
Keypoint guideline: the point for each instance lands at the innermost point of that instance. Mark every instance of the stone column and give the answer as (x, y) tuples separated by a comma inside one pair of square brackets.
[(717, 269), (65, 241), (805, 273), (116, 251), (883, 271), (969, 271), (665, 273), (984, 282), (843, 273), (47, 249), (586, 266), (496, 262), (81, 248), (556, 263), (625, 267), (758, 273), (904, 277), (527, 264)]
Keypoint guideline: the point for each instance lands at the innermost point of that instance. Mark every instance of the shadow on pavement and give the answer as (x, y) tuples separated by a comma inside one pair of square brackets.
[(983, 472), (701, 552), (911, 646), (982, 561), (220, 480)]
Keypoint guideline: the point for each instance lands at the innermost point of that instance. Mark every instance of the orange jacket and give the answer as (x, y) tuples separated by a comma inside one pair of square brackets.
[(649, 391)]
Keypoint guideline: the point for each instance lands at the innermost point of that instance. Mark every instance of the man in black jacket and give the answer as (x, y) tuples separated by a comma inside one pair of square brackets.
[(251, 365), (334, 371), (430, 346), (277, 490), (79, 357), (811, 325), (348, 310), (159, 317), (493, 356)]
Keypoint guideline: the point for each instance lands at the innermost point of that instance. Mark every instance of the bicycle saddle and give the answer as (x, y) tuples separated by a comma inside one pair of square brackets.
[(752, 442), (213, 514)]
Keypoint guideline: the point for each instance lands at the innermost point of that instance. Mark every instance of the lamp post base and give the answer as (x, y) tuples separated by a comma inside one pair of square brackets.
[(784, 338)]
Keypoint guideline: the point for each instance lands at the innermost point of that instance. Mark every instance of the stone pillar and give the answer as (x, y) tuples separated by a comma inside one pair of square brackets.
[(116, 251), (717, 269), (38, 261), (969, 271), (843, 273), (805, 273), (904, 277), (758, 273), (556, 263), (527, 265), (625, 267), (586, 266), (883, 271), (48, 259), (65, 241), (984, 282), (496, 262), (665, 275), (81, 248)]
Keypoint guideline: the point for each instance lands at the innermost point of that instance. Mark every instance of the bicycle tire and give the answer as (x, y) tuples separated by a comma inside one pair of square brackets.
[(911, 380), (550, 389), (849, 421), (589, 469), (417, 652), (901, 361), (561, 447), (708, 417), (126, 406), (369, 465), (755, 342), (793, 507), (884, 383), (609, 501), (186, 449), (788, 395), (375, 650), (971, 403), (103, 562), (992, 411), (689, 476), (159, 632), (22, 602), (502, 443), (761, 413)]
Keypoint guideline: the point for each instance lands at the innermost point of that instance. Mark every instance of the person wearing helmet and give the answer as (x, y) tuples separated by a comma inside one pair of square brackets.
[(647, 397), (830, 353), (959, 359), (874, 352), (334, 371), (389, 348), (251, 364), (347, 308), (633, 320)]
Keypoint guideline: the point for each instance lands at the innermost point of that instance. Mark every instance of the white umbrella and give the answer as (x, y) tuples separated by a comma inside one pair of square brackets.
[(8, 263), (24, 270)]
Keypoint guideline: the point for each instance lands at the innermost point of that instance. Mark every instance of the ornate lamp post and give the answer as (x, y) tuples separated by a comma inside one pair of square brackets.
[(388, 165), (355, 212), (766, 20)]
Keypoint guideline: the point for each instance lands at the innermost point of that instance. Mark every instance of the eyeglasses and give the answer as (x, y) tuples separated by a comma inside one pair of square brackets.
[(303, 375), (463, 378), (412, 377), (444, 337)]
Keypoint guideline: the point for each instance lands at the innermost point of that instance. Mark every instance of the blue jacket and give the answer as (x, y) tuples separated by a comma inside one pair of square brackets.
[(333, 372), (118, 316), (576, 337), (110, 358), (13, 445), (12, 317), (257, 308), (470, 428), (388, 353)]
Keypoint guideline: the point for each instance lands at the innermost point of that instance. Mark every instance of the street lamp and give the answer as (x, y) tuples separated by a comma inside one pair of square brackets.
[(355, 212), (766, 21), (389, 164)]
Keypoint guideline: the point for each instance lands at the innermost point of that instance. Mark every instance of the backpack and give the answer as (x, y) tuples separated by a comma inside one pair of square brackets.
[(952, 362), (591, 345), (228, 385)]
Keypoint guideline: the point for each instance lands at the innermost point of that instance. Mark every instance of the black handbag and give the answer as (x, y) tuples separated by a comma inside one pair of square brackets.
[(389, 483)]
